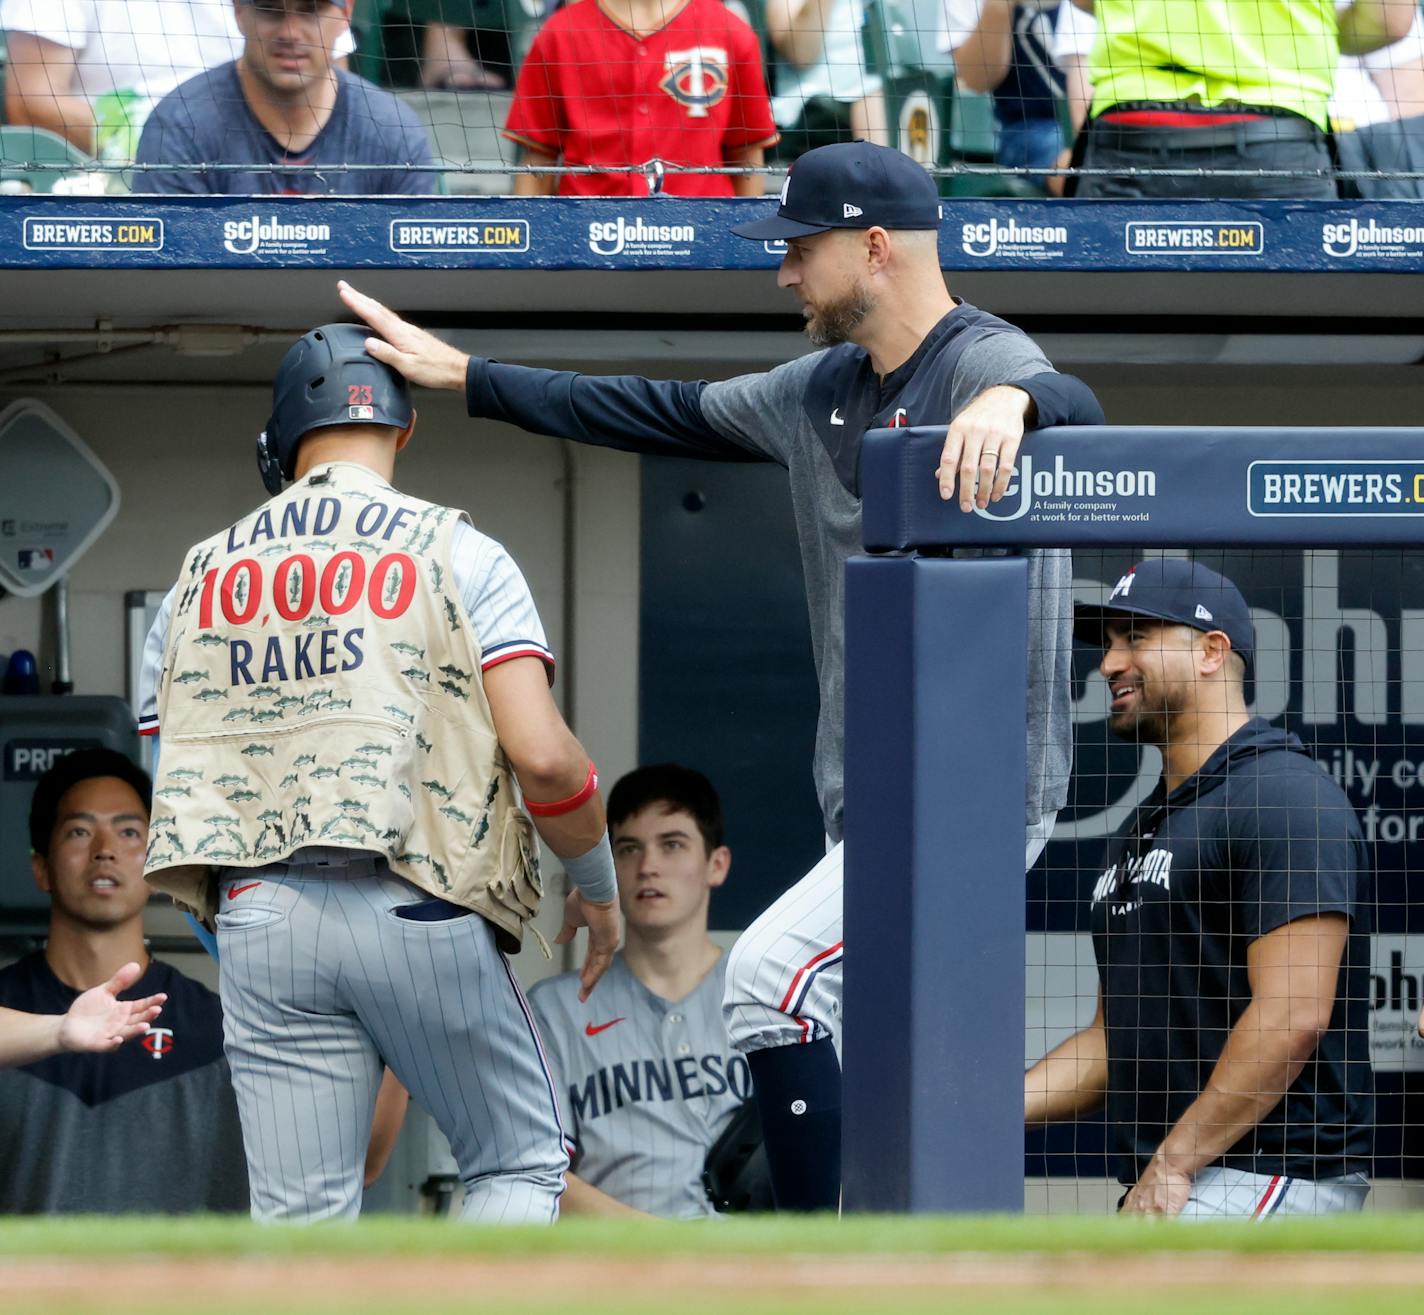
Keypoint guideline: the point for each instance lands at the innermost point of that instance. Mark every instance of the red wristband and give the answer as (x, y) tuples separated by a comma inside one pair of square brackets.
[(554, 807)]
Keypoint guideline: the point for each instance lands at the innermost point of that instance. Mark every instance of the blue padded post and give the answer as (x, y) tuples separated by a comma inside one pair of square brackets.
[(936, 669)]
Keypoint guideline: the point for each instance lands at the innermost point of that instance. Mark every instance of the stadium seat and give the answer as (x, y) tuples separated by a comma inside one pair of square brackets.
[(20, 146), (464, 129), (915, 99), (930, 117), (387, 50)]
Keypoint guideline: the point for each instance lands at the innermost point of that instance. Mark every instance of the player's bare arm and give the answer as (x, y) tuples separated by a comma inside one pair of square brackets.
[(581, 1198), (98, 1021), (983, 444), (555, 774), (421, 357), (1292, 971), (392, 1101), (1072, 1079)]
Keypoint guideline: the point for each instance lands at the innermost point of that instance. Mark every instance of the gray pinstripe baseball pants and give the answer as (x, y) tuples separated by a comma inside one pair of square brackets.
[(321, 981), (784, 973)]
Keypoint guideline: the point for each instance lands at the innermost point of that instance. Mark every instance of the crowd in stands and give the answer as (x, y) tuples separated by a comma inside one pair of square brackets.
[(643, 94)]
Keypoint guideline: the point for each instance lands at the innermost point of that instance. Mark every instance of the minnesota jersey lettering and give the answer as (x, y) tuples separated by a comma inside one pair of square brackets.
[(640, 1080), (644, 1100)]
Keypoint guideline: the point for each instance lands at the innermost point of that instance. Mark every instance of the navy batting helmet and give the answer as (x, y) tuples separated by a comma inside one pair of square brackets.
[(326, 378)]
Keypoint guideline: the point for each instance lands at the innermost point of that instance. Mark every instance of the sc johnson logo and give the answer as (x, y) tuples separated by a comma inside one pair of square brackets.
[(1370, 240), (635, 237), (1335, 488), (1243, 239), (1066, 493), (271, 236), (997, 237), (85, 234), (420, 236)]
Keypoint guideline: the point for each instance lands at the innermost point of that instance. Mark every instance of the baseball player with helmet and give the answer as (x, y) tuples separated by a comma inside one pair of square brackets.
[(861, 227), (353, 689), (647, 1077)]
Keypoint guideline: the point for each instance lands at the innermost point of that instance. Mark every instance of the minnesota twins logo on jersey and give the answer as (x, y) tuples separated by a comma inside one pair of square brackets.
[(696, 78), (158, 1041)]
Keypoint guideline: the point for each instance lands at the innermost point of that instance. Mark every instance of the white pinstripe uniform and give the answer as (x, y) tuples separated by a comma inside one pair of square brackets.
[(350, 983), (793, 953), (1222, 1193)]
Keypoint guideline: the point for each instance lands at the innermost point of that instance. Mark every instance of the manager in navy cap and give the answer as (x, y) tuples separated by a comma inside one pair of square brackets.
[(1231, 926), (860, 224)]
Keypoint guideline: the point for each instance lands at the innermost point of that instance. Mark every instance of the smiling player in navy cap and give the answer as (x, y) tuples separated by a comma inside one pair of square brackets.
[(861, 227), (1231, 928)]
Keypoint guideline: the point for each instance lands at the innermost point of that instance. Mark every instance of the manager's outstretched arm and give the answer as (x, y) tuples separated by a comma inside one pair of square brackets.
[(628, 412)]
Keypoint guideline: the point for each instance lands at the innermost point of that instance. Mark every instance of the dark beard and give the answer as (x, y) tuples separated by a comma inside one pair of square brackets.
[(834, 324), (1149, 727), (1152, 722)]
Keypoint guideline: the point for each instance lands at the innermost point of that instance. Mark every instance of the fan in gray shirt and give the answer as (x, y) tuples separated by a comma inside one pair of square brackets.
[(210, 120)]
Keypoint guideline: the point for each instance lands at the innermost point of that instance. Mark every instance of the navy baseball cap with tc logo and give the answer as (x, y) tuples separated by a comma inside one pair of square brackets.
[(849, 185), (1177, 591)]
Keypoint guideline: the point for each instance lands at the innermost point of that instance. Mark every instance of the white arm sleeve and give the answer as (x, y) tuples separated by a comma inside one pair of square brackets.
[(151, 668)]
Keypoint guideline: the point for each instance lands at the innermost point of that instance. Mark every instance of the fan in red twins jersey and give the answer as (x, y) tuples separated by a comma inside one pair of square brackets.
[(627, 82)]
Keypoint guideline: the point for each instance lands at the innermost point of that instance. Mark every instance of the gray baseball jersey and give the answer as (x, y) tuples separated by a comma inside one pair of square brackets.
[(645, 1085)]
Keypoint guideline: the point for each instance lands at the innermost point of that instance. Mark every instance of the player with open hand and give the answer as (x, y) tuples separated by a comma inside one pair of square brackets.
[(97, 1021)]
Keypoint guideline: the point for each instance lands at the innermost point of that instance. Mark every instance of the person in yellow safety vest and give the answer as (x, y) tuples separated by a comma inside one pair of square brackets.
[(1230, 95)]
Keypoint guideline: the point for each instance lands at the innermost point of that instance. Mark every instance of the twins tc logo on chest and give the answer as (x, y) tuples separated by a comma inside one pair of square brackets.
[(696, 79), (158, 1041)]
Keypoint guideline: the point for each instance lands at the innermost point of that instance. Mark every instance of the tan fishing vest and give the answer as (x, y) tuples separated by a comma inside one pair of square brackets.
[(321, 686)]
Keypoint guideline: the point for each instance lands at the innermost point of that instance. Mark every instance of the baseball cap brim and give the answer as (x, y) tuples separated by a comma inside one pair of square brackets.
[(1090, 621), (1090, 626), (778, 228)]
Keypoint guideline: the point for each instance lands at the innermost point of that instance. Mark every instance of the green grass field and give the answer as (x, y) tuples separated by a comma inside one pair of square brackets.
[(751, 1236), (882, 1266)]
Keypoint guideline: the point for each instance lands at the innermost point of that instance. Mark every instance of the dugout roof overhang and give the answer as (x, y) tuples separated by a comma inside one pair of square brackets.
[(133, 290)]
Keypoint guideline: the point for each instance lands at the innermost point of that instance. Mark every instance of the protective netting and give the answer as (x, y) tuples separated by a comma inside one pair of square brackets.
[(1173, 914), (699, 97)]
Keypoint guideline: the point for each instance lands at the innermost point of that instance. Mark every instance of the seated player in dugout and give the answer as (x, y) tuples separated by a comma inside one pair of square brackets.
[(1231, 928), (646, 1075), (353, 686), (647, 1079), (151, 1127)]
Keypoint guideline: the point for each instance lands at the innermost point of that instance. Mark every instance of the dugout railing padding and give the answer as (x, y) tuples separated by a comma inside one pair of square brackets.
[(936, 677)]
